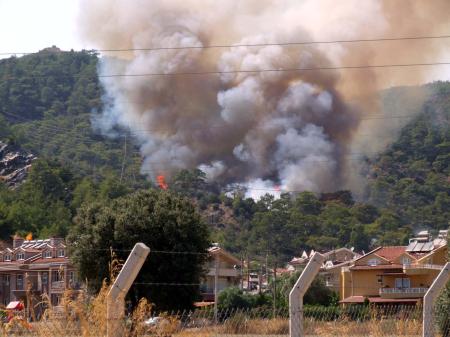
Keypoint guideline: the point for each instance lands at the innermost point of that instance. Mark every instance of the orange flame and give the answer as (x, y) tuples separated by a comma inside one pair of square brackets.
[(161, 181), (29, 237)]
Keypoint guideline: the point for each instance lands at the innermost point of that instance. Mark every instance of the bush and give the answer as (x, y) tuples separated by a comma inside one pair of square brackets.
[(443, 312)]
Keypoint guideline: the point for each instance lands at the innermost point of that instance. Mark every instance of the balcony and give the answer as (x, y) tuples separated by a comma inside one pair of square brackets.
[(58, 285), (402, 292), (420, 269), (331, 283), (225, 272)]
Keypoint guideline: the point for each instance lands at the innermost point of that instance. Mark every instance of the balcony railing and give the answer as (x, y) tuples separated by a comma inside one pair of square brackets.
[(330, 283), (402, 292), (420, 269), (423, 266), (58, 285)]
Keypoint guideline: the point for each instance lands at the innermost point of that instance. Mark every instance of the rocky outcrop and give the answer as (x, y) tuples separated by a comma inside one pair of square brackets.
[(14, 164)]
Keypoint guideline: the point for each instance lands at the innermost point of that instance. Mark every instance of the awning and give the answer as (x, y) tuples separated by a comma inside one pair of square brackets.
[(360, 299), (353, 299), (15, 305), (203, 304)]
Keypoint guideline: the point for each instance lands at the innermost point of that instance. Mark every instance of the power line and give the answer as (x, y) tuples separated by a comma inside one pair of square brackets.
[(239, 45), (243, 71)]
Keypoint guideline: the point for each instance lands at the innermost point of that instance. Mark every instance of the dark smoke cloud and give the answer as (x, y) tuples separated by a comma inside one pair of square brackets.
[(293, 129)]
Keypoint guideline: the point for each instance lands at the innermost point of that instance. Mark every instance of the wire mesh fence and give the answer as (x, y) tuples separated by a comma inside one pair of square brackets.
[(353, 320)]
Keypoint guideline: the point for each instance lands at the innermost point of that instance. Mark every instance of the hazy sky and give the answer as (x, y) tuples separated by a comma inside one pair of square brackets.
[(31, 25)]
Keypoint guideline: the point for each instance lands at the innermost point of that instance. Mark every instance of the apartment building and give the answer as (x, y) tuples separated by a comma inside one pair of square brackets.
[(32, 268), (395, 274)]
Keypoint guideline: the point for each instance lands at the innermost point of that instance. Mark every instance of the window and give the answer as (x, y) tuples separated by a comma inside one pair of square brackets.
[(402, 282), (406, 260), (44, 278), (6, 280), (72, 277), (373, 262), (55, 299), (48, 254), (57, 276), (21, 256), (7, 257), (61, 253), (19, 282)]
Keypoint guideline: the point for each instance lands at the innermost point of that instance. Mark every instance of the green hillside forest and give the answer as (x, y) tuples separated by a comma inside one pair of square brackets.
[(47, 101)]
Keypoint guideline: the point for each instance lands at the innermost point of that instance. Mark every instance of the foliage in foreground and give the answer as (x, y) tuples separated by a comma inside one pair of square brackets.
[(165, 222)]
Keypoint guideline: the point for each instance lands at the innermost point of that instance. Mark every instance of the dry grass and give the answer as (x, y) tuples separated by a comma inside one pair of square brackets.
[(84, 315)]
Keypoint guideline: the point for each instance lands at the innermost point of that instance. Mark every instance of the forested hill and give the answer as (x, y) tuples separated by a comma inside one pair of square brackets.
[(412, 177), (46, 105)]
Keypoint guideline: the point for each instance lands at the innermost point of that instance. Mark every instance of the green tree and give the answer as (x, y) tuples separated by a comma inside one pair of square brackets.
[(163, 221)]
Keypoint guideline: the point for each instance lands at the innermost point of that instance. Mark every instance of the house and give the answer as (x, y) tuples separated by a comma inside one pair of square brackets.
[(332, 257), (331, 270), (32, 268), (395, 274), (228, 270)]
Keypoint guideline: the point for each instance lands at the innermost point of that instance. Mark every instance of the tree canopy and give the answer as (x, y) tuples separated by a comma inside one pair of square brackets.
[(165, 222)]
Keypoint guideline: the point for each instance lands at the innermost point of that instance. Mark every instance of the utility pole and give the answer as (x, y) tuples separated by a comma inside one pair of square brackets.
[(124, 157), (248, 272), (242, 272), (275, 289), (216, 285), (260, 278)]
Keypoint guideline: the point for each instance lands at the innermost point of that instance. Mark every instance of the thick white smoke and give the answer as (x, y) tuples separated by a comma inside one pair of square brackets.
[(287, 128)]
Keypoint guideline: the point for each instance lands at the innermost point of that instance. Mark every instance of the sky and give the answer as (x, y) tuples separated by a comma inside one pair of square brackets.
[(31, 25)]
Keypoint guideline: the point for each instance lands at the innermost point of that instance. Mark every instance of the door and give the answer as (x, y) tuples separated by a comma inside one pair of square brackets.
[(402, 282)]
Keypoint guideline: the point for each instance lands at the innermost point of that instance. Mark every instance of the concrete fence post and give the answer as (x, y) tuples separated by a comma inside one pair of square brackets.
[(115, 299), (429, 300), (297, 293)]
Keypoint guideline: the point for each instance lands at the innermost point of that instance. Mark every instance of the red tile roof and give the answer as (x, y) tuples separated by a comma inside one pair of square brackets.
[(391, 252), (51, 260)]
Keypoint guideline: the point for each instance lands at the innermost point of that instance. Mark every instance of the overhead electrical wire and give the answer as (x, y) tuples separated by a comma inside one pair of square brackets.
[(242, 71), (238, 45)]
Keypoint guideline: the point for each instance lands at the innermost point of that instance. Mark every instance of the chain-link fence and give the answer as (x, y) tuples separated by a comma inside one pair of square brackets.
[(353, 320)]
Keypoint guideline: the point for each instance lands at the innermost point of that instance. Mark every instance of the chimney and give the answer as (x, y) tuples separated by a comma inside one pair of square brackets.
[(17, 241), (56, 241)]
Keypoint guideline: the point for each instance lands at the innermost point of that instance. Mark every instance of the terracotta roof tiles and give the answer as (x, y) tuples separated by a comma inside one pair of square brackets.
[(391, 252)]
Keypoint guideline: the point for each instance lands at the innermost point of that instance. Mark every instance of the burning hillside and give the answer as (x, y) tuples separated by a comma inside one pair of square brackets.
[(261, 111)]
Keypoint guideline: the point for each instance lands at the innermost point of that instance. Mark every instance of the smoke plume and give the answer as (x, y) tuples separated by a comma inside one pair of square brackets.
[(294, 129)]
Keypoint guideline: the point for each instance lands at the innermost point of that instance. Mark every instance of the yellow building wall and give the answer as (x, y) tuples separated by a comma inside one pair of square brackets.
[(365, 282), (439, 257), (346, 284)]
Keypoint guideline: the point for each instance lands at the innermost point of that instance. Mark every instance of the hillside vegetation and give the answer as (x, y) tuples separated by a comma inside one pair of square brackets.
[(46, 105)]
